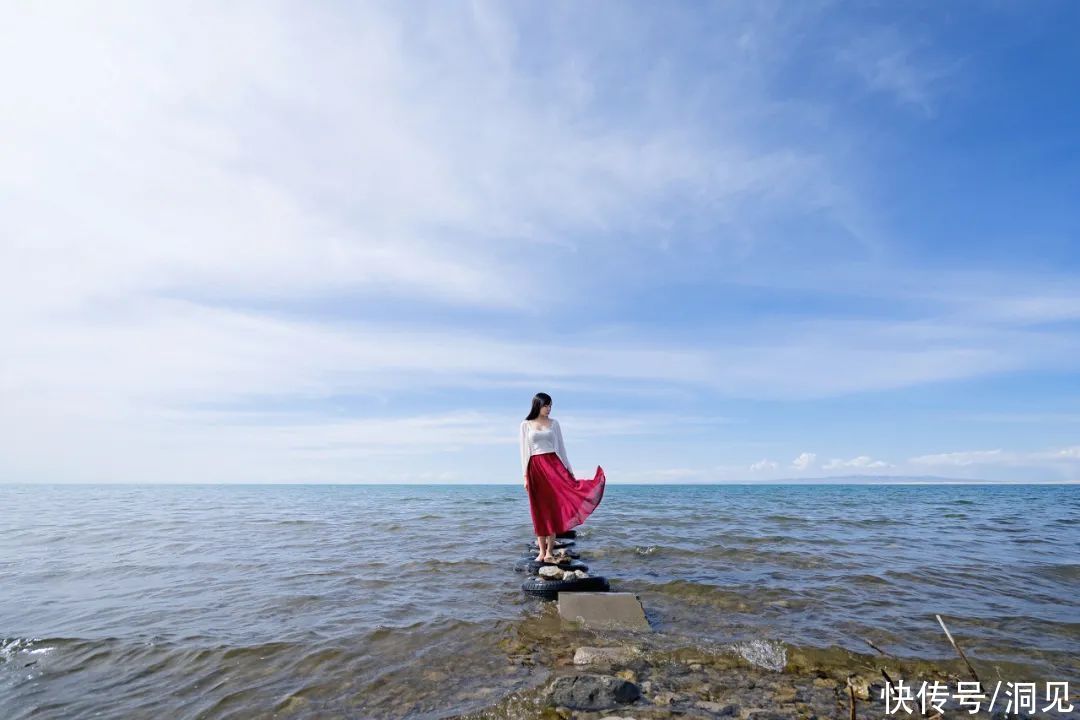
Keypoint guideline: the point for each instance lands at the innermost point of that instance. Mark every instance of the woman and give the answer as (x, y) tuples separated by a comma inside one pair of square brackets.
[(557, 499)]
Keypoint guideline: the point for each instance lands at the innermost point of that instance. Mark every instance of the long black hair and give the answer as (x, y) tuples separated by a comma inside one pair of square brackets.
[(539, 401)]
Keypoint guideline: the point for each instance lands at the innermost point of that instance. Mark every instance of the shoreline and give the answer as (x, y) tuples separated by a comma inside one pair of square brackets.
[(690, 679)]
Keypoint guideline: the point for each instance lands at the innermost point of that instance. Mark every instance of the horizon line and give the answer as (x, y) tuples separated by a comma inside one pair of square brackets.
[(809, 481)]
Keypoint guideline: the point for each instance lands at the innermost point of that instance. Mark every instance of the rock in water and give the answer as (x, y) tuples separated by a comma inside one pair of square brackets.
[(593, 692), (550, 572), (591, 655)]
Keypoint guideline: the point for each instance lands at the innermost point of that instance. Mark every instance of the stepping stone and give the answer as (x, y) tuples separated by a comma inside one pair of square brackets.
[(556, 545), (603, 610), (573, 554), (530, 565)]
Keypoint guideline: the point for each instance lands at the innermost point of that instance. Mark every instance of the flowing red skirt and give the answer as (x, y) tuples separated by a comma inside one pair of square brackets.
[(557, 500)]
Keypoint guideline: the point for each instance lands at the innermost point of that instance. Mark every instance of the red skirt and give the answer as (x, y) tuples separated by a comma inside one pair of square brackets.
[(559, 501)]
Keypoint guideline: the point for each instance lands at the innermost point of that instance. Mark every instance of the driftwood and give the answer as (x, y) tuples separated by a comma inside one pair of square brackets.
[(963, 657), (876, 648), (936, 715), (890, 683)]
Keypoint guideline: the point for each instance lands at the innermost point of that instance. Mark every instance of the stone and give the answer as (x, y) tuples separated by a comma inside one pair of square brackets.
[(550, 572), (603, 610), (593, 692), (721, 709), (592, 655), (664, 698), (627, 675), (861, 686)]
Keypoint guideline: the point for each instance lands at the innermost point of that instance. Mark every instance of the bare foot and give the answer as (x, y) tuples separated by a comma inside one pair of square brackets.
[(539, 557), (550, 559)]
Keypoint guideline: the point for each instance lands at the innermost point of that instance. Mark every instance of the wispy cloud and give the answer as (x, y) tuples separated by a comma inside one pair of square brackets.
[(1056, 465), (899, 65), (968, 457), (1067, 456), (862, 462)]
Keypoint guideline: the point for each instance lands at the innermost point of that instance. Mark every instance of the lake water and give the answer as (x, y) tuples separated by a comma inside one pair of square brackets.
[(246, 601)]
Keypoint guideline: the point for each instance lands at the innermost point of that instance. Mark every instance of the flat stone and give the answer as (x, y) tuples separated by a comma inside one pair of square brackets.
[(603, 609), (721, 709), (592, 655)]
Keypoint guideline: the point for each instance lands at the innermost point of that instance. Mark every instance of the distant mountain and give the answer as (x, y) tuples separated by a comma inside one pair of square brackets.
[(888, 480)]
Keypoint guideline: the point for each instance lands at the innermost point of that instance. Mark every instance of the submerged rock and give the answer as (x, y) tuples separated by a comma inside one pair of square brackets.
[(593, 692), (593, 655)]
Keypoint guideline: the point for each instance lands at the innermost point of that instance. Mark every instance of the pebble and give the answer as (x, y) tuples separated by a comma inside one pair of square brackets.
[(722, 709), (664, 698)]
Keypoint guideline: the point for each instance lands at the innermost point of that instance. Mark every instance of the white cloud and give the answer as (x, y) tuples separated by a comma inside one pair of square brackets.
[(860, 462), (970, 457), (1069, 453), (999, 457), (280, 151), (805, 461), (764, 465)]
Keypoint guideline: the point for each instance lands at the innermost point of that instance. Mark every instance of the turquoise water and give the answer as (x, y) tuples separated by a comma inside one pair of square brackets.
[(234, 601)]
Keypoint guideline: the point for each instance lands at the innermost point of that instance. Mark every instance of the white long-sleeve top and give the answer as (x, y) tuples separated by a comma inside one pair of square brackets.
[(542, 440)]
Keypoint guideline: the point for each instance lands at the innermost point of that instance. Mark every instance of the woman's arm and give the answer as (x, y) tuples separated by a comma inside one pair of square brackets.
[(560, 447), (524, 447)]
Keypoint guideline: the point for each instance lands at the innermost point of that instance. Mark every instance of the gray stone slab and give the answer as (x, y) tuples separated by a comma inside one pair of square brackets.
[(604, 655), (603, 609)]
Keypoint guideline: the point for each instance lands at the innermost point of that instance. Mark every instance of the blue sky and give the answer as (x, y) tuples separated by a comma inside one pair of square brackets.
[(320, 242)]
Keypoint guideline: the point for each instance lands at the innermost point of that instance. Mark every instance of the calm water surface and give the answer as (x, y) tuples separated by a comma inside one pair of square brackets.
[(294, 601)]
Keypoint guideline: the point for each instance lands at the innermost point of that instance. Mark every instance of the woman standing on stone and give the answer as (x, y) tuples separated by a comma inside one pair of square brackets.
[(558, 501)]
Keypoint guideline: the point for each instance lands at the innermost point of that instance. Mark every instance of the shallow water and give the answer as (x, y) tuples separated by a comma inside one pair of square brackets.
[(380, 601)]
